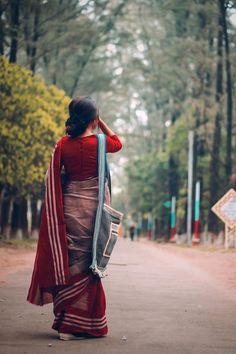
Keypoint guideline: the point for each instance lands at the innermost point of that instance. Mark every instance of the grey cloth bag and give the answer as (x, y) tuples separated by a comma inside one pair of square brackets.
[(107, 219)]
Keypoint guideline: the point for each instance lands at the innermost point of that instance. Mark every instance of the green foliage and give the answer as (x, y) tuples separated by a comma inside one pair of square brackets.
[(175, 71), (148, 183), (158, 57), (32, 116)]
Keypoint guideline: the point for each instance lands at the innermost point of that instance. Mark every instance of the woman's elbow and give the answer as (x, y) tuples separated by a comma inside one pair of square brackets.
[(119, 146)]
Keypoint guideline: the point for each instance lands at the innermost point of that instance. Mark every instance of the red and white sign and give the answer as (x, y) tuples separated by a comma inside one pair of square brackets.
[(225, 208)]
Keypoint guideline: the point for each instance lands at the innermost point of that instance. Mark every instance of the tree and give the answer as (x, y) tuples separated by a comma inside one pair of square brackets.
[(15, 14), (228, 166), (215, 153), (156, 69), (32, 118)]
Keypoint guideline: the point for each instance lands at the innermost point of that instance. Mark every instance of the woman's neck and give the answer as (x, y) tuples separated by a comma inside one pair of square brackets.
[(87, 132)]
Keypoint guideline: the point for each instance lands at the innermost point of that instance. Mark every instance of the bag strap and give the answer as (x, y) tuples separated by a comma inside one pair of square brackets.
[(102, 168), (108, 175)]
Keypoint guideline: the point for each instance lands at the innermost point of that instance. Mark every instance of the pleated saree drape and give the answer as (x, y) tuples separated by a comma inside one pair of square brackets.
[(80, 306), (61, 271)]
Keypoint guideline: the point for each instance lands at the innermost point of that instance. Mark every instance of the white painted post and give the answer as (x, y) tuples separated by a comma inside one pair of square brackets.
[(190, 187)]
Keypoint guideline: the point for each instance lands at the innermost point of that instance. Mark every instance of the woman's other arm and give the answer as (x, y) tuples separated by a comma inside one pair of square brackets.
[(113, 142), (104, 127)]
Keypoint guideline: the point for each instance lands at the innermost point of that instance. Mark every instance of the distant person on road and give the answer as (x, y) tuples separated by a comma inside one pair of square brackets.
[(138, 230), (132, 232), (61, 273)]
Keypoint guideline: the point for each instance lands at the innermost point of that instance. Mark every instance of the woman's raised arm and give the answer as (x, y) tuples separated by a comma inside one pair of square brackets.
[(104, 127)]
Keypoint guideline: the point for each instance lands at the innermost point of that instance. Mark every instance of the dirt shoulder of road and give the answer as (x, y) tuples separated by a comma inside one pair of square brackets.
[(219, 263), (15, 257)]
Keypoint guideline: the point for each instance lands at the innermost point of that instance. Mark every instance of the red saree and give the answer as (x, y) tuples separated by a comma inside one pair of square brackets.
[(61, 271)]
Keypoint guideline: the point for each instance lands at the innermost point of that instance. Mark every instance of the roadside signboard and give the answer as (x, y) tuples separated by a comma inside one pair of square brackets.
[(225, 209)]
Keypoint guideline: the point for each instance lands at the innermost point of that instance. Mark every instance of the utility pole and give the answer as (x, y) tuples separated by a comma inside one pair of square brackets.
[(172, 219), (197, 213), (190, 187)]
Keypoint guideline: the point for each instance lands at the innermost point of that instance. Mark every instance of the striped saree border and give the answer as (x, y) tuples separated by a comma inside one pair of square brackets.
[(52, 222)]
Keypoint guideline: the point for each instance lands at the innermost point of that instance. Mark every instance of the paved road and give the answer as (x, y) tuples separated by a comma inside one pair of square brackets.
[(160, 302)]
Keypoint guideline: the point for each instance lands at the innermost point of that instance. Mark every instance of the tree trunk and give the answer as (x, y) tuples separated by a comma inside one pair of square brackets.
[(16, 220), (36, 216), (19, 221), (215, 154), (2, 194), (24, 219), (173, 175), (2, 34), (35, 37), (15, 14), (7, 213), (26, 30), (228, 167)]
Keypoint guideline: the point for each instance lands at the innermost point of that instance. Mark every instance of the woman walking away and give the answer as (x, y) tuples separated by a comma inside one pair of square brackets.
[(61, 272)]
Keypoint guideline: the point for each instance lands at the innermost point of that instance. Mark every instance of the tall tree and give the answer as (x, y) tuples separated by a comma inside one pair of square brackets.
[(15, 22), (2, 29), (228, 161), (215, 152), (35, 37)]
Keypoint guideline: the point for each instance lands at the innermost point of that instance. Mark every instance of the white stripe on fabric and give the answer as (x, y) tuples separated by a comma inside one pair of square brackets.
[(72, 294), (64, 297), (68, 318), (53, 232), (69, 288), (74, 324), (61, 268), (87, 322), (87, 319), (50, 232)]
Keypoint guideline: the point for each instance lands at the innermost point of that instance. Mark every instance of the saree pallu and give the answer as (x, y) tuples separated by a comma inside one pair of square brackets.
[(80, 306)]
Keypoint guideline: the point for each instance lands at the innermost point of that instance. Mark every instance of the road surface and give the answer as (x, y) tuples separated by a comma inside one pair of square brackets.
[(157, 303)]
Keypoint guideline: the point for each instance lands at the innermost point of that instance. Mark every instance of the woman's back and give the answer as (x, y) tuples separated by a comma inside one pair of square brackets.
[(62, 273), (79, 155)]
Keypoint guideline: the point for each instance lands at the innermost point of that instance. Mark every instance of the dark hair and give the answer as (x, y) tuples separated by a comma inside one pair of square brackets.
[(82, 111)]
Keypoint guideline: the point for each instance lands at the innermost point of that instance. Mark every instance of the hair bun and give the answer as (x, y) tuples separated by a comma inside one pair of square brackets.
[(82, 111), (82, 122), (75, 121), (68, 122)]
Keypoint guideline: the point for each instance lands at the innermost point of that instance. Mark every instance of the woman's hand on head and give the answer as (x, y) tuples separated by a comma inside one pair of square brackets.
[(104, 127), (100, 122)]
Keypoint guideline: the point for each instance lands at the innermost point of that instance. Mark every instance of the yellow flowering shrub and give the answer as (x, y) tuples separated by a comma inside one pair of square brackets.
[(32, 116)]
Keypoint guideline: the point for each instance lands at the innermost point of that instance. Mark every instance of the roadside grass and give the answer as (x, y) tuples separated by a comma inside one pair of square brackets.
[(198, 247), (25, 243), (206, 248)]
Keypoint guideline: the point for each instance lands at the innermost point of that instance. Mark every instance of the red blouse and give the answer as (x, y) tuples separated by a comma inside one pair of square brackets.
[(79, 155)]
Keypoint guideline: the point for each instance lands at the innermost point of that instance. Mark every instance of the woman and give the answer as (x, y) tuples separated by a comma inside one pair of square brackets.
[(61, 273)]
